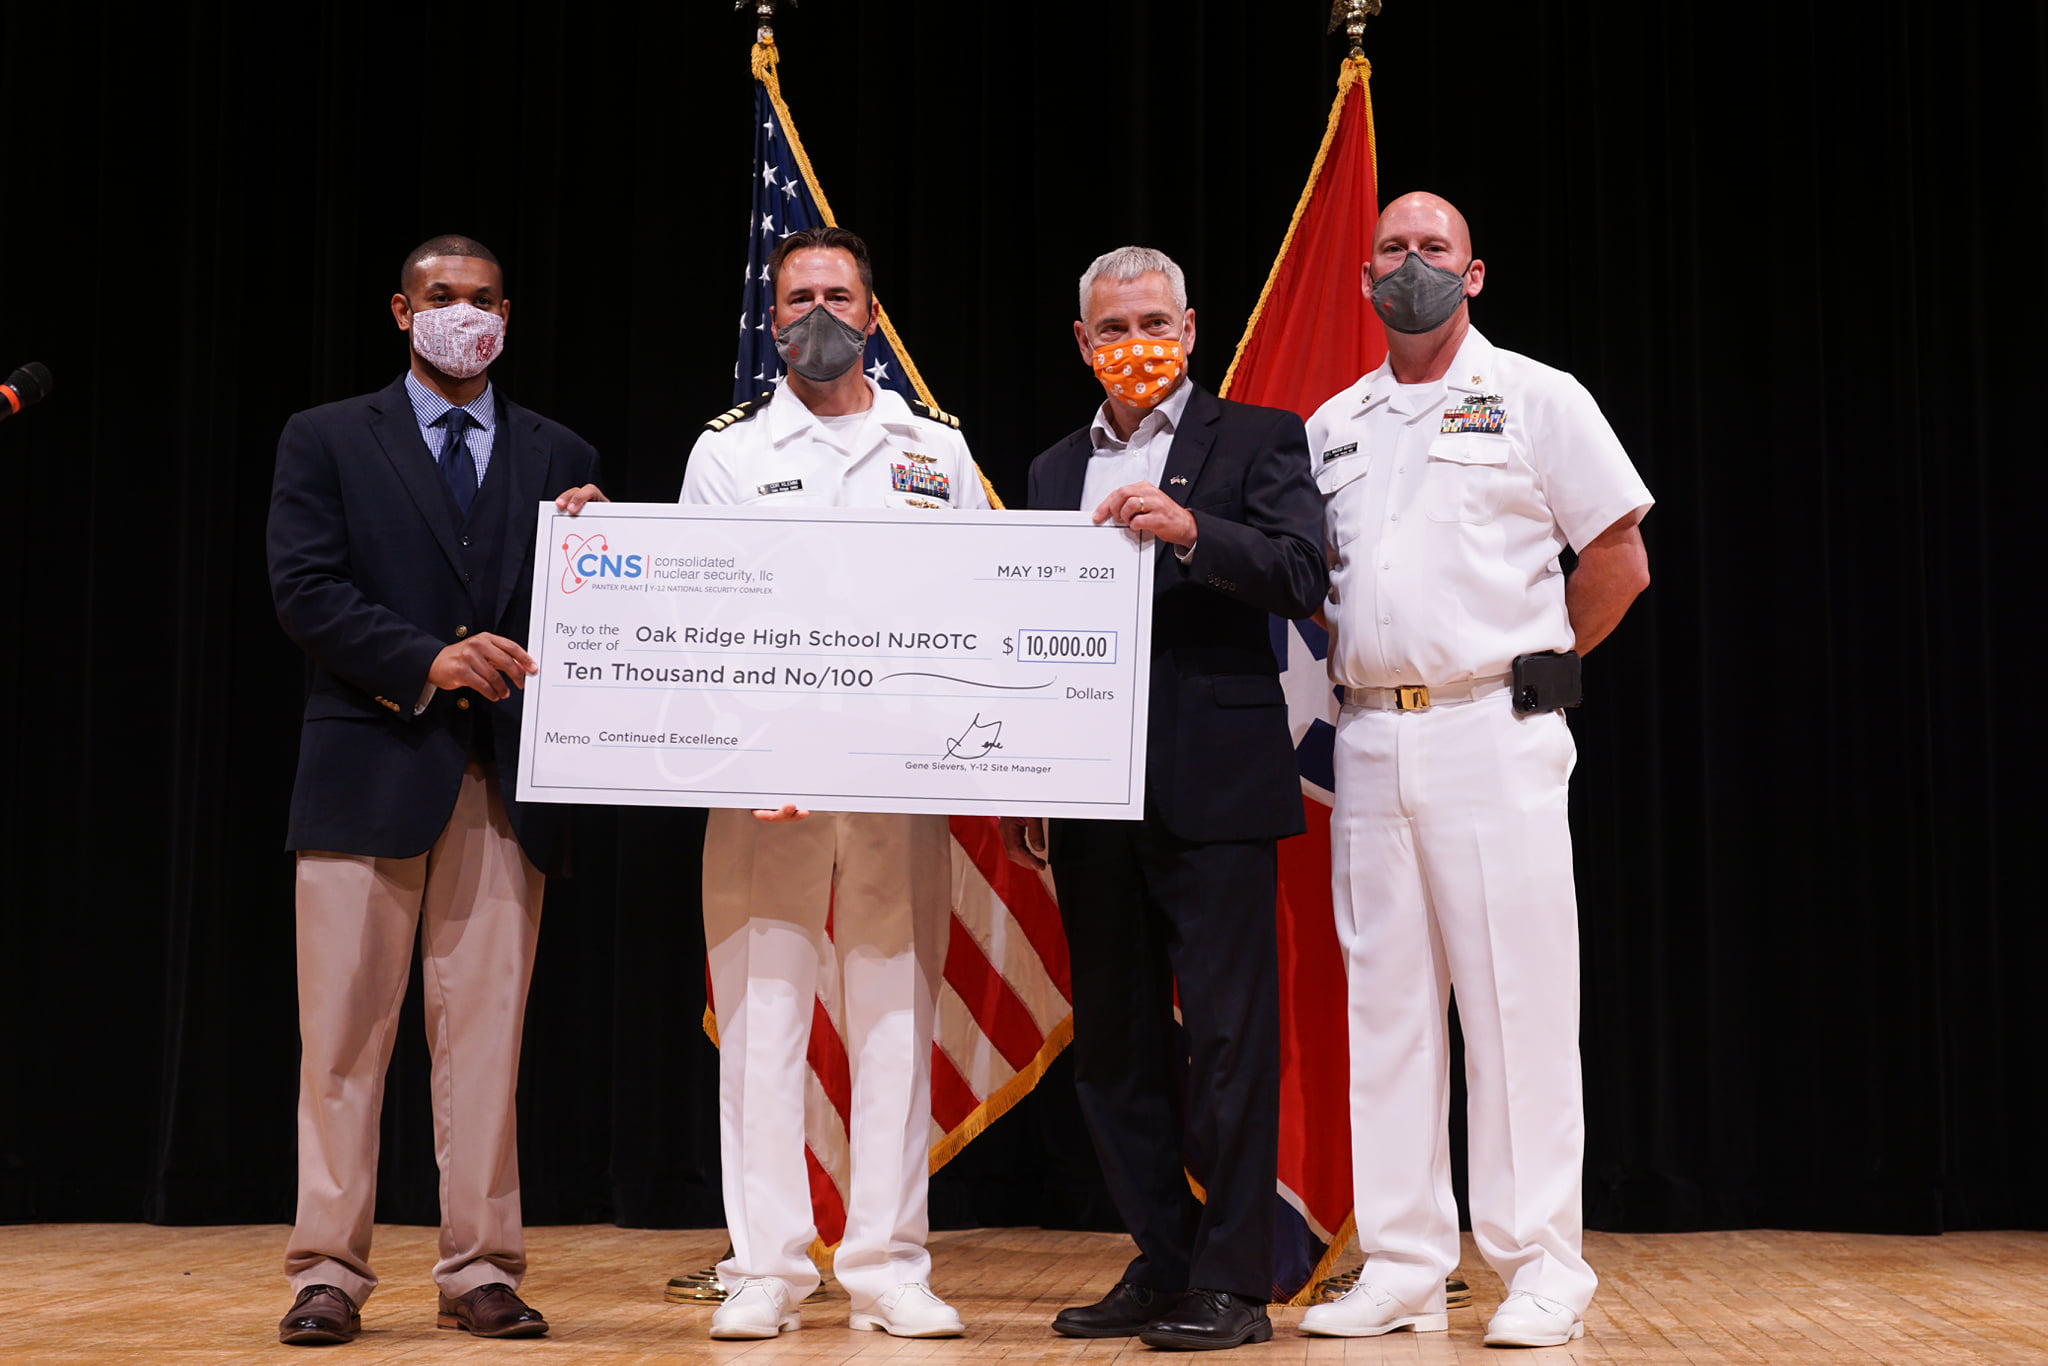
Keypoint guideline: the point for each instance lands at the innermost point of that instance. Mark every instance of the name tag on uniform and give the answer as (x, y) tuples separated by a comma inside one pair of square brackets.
[(1479, 413), (1339, 452), (780, 486)]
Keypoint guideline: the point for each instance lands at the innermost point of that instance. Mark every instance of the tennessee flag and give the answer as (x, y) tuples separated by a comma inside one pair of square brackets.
[(1004, 1009), (1312, 334)]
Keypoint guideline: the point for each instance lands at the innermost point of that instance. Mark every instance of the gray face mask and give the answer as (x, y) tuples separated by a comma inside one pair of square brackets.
[(1417, 296), (820, 347)]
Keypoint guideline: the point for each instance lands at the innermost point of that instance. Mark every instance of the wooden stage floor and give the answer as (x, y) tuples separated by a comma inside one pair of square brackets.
[(133, 1293)]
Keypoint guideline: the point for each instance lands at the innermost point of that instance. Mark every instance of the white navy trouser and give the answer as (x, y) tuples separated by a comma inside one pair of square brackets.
[(885, 880), (1452, 870)]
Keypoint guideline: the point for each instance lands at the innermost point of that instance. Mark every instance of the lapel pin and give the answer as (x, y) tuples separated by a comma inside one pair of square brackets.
[(1178, 479)]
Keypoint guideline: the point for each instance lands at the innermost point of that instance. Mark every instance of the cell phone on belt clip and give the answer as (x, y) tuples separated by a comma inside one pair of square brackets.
[(1546, 682)]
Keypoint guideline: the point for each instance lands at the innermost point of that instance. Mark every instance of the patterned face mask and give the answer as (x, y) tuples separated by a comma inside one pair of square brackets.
[(1140, 371), (460, 340)]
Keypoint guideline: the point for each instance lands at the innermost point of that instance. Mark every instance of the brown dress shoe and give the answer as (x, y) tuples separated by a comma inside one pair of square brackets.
[(320, 1316), (492, 1311)]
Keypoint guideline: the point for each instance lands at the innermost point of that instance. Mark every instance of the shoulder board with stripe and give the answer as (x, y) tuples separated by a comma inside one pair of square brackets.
[(739, 414), (935, 414)]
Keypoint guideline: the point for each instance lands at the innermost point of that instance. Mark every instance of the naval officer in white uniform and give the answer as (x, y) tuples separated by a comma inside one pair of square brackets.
[(827, 436), (1453, 478)]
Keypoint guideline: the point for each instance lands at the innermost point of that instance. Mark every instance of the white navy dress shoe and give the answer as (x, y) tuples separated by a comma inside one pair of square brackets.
[(911, 1310), (1527, 1320), (759, 1308), (1366, 1311)]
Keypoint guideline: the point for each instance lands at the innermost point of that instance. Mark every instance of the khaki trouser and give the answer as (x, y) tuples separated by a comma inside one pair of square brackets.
[(473, 901)]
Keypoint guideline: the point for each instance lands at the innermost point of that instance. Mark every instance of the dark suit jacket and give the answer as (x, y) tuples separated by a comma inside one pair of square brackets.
[(1219, 761), (367, 570)]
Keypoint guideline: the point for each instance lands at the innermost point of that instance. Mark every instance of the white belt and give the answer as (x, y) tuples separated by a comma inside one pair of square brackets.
[(1417, 697)]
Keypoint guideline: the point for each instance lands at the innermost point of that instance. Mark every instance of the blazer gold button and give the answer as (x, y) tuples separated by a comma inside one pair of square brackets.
[(462, 703), (461, 631)]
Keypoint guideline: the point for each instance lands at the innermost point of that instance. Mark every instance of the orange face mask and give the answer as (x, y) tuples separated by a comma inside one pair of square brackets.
[(1140, 372)]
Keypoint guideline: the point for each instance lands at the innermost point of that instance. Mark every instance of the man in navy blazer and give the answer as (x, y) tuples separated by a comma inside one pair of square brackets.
[(1187, 895), (400, 541)]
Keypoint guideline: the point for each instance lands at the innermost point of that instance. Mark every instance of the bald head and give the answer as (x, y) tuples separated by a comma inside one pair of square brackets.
[(1422, 217), (1427, 305)]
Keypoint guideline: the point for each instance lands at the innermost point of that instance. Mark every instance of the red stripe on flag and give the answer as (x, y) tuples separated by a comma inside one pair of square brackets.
[(828, 1212), (828, 1060), (953, 1100), (1315, 1052), (1023, 892), (989, 999)]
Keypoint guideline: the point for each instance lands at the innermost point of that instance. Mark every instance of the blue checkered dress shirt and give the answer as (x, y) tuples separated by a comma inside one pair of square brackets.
[(429, 407)]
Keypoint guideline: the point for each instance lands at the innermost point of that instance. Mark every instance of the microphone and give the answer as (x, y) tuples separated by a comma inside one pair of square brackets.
[(29, 384)]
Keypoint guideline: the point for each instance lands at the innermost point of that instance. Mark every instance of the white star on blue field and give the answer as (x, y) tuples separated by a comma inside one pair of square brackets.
[(1302, 647)]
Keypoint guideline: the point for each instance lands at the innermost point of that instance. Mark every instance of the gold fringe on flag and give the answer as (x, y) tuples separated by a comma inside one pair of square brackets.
[(1003, 1097), (1340, 1241)]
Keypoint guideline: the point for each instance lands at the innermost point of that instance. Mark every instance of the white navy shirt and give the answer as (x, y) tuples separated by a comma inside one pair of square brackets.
[(1445, 508), (783, 455)]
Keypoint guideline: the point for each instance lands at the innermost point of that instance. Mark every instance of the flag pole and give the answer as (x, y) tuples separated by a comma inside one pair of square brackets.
[(1351, 14), (764, 10)]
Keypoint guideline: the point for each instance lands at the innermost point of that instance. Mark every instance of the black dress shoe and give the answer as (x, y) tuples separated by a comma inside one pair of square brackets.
[(1207, 1319), (320, 1316), (492, 1311), (1124, 1312)]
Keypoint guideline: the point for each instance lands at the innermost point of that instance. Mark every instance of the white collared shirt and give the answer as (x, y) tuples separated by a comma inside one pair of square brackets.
[(1114, 462), (1445, 507), (783, 455)]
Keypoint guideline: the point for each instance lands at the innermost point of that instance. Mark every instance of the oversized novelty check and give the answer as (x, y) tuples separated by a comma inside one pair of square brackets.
[(843, 659)]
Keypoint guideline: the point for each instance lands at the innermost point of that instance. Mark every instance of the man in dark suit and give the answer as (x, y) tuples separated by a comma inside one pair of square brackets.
[(1187, 895), (401, 560)]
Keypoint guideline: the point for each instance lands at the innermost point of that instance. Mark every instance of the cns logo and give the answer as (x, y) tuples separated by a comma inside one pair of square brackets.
[(590, 557)]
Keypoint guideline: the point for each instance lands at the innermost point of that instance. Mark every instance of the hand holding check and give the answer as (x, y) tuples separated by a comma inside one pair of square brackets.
[(1142, 507)]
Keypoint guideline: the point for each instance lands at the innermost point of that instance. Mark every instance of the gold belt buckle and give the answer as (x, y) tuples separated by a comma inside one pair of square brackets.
[(1411, 697)]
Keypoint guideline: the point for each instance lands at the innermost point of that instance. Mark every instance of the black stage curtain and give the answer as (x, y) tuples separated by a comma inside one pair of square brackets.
[(1791, 250)]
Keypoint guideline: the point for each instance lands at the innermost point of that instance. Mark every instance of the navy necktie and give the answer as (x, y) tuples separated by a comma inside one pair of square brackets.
[(458, 466)]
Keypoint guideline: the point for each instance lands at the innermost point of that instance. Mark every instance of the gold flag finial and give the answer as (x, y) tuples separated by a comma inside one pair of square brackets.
[(766, 10), (1350, 15)]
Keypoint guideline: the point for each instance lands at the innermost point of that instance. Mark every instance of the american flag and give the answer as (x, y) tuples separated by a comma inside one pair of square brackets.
[(786, 200), (1312, 334), (1004, 1010)]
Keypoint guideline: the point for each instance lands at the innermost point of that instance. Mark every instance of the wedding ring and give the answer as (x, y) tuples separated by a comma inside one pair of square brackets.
[(1141, 507)]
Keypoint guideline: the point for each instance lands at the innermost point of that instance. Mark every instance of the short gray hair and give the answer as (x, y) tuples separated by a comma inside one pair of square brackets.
[(1128, 263)]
